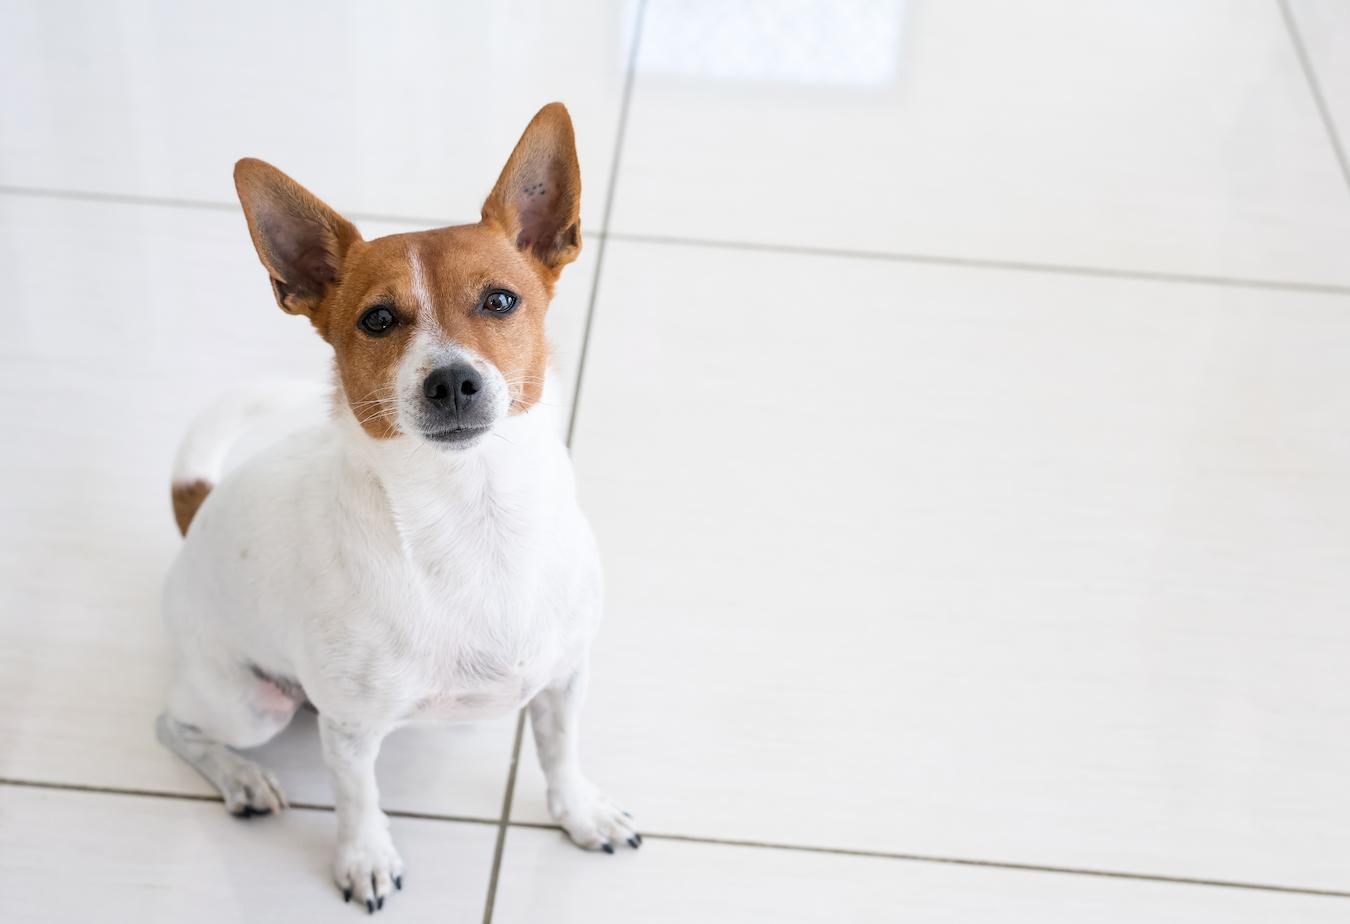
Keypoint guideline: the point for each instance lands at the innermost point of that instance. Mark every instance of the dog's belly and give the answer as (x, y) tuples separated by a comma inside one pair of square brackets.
[(488, 701)]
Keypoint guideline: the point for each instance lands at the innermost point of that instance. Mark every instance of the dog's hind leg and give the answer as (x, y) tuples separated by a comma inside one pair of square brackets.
[(202, 736), (246, 787)]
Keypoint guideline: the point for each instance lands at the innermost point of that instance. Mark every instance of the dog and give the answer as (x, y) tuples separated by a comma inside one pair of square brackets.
[(419, 555)]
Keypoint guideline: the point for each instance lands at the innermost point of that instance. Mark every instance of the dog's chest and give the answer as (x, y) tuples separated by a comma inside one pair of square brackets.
[(490, 660), (481, 578), (498, 610)]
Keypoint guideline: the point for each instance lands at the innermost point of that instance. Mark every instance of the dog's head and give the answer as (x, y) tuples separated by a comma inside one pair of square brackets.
[(438, 334)]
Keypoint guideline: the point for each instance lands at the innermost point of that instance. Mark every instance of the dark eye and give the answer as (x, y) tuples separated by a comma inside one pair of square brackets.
[(378, 320), (499, 301)]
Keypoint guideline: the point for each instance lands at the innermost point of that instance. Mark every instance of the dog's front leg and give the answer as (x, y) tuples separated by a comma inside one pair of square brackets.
[(366, 866), (590, 818)]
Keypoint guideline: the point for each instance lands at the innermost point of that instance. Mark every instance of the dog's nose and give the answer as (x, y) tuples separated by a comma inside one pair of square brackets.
[(454, 386)]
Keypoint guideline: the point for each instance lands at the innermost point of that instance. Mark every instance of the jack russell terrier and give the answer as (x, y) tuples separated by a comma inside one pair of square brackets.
[(421, 555)]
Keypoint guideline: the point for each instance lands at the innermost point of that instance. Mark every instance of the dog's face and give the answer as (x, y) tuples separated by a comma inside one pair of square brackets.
[(437, 334)]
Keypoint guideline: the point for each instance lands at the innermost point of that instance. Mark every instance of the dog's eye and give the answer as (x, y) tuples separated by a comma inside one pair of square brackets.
[(499, 301), (377, 321)]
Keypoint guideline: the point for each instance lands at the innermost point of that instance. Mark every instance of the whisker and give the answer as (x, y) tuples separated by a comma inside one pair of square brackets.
[(383, 414)]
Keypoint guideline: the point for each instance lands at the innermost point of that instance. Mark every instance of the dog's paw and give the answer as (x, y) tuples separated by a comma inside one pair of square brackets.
[(592, 820), (368, 869), (250, 790)]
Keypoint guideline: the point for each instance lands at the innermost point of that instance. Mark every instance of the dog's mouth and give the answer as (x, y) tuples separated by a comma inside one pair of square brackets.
[(455, 436)]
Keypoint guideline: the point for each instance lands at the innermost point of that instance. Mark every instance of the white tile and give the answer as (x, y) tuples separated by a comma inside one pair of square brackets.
[(1157, 136), (1018, 566), (545, 878), (408, 109), (71, 856), (125, 321), (1324, 26)]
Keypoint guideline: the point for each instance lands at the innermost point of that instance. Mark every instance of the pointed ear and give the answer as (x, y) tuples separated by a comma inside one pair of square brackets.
[(300, 241), (537, 199)]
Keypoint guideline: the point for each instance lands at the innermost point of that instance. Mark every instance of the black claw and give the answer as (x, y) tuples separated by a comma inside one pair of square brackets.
[(607, 847), (249, 811), (628, 814), (379, 903), (633, 842), (370, 906), (398, 883), (346, 895), (638, 838)]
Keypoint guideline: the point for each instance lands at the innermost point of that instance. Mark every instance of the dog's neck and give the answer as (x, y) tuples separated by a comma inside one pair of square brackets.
[(436, 497)]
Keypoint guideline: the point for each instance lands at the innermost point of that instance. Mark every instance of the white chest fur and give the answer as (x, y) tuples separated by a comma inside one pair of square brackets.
[(490, 569)]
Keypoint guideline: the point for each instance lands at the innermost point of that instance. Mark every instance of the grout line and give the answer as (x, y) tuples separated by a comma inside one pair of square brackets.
[(966, 861), (118, 791), (997, 864), (81, 195), (624, 106), (1305, 60), (637, 237), (982, 263), (626, 99), (717, 841), (504, 822), (172, 796)]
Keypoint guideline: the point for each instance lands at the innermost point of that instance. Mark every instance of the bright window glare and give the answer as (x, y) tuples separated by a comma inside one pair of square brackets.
[(829, 42)]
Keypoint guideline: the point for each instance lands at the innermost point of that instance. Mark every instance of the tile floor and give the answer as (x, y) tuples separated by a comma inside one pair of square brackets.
[(965, 419)]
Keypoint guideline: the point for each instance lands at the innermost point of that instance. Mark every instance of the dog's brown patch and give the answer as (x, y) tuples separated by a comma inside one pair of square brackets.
[(322, 268), (457, 267), (187, 497)]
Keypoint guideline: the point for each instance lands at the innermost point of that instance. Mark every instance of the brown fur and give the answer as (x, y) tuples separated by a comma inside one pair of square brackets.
[(322, 268), (186, 499)]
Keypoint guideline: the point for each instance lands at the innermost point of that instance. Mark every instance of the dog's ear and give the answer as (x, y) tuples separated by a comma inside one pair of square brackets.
[(537, 199), (300, 241)]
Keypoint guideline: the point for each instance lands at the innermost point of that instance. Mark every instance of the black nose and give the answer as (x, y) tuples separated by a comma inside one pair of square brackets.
[(455, 386)]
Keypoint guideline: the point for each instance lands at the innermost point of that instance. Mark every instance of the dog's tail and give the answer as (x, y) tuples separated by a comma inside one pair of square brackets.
[(201, 455)]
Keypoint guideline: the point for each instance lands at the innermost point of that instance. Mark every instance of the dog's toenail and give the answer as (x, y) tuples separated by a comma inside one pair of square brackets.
[(370, 906), (379, 903), (398, 883), (607, 847), (633, 842), (346, 895)]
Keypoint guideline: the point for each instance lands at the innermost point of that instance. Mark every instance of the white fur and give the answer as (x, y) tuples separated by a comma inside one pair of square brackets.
[(430, 350), (419, 284), (394, 580)]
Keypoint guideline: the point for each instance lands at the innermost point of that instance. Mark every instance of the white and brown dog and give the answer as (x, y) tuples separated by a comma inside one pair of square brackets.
[(419, 555)]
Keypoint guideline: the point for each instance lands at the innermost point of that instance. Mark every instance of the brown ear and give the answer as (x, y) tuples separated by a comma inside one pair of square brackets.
[(300, 241), (537, 199)]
